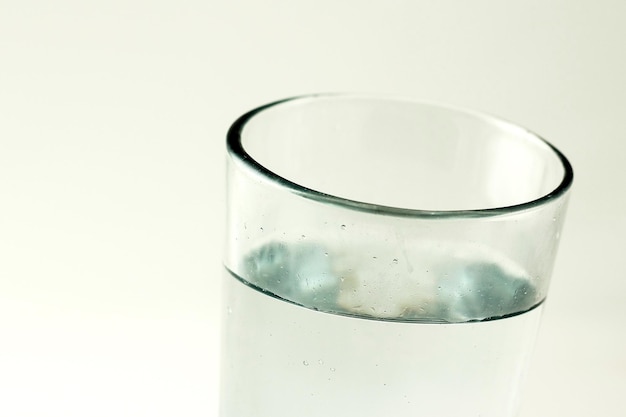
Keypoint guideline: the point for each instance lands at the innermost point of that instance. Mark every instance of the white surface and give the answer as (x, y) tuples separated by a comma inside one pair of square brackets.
[(112, 120)]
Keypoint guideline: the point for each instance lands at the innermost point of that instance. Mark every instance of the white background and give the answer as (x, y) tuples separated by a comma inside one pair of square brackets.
[(112, 124)]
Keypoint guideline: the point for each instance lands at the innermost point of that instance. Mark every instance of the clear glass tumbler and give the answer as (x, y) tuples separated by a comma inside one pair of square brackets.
[(384, 257)]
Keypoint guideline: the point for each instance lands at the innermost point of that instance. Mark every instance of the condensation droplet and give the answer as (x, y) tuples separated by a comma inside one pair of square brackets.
[(343, 227), (395, 261), (305, 363), (260, 228), (321, 362), (332, 369)]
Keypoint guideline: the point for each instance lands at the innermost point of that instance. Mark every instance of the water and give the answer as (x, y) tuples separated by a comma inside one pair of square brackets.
[(313, 332)]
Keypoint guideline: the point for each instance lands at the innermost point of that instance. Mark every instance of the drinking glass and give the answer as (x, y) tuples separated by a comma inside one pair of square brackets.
[(384, 257)]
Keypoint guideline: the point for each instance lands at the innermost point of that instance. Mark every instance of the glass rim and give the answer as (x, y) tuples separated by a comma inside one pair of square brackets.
[(236, 149)]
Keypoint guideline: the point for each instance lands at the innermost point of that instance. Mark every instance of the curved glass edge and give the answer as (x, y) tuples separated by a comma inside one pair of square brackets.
[(236, 150)]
